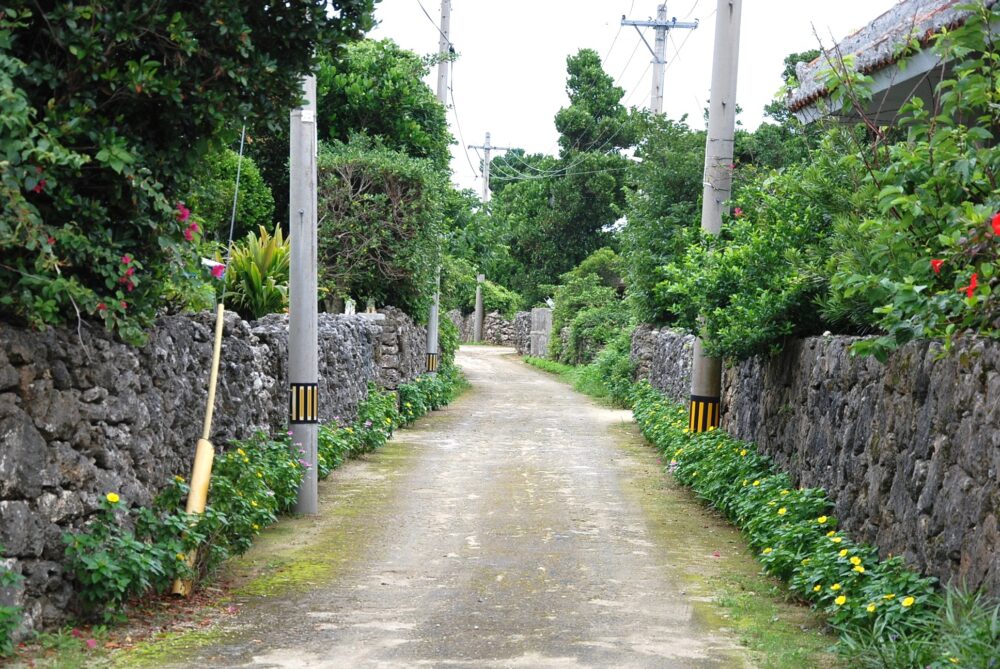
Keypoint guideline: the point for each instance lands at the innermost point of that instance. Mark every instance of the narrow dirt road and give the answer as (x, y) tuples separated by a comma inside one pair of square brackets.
[(515, 528)]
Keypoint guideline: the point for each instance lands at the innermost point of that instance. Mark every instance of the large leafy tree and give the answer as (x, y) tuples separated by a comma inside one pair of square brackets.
[(557, 211), (377, 88), (106, 107)]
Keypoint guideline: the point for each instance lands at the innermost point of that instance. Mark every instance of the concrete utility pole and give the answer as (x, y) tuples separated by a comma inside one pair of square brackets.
[(487, 148), (303, 343), (661, 25), (477, 324), (433, 318), (706, 377)]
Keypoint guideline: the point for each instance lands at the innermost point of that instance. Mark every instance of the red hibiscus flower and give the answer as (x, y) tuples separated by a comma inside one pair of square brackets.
[(936, 265), (218, 271), (995, 221), (183, 213)]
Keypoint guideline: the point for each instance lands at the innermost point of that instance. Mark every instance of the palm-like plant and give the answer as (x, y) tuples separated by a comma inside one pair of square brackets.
[(257, 277)]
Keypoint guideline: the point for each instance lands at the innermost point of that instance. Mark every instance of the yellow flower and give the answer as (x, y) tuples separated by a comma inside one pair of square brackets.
[(256, 526), (821, 520), (839, 601), (253, 503), (746, 482), (241, 451), (349, 430), (112, 497), (179, 479), (388, 421), (855, 560), (953, 660), (870, 608), (843, 552), (835, 587), (259, 475), (772, 503), (836, 540), (817, 588), (181, 556), (711, 427), (858, 568), (805, 561), (756, 483), (686, 430), (743, 452), (831, 533), (908, 602), (782, 511), (766, 551), (889, 596), (784, 492), (408, 405)]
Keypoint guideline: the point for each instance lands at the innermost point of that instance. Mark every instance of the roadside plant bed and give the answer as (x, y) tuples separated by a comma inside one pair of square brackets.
[(887, 615), (125, 553)]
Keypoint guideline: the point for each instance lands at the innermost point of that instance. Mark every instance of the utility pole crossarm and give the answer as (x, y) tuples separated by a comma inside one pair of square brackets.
[(661, 25), (487, 148)]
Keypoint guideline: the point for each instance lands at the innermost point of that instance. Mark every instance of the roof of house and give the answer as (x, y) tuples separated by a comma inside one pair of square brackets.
[(877, 45)]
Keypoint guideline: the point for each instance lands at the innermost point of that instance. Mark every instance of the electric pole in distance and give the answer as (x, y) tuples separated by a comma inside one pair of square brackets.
[(487, 149), (303, 342), (659, 51), (444, 51), (706, 376)]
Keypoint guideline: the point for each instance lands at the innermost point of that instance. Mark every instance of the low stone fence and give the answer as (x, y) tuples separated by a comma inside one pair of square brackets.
[(84, 415), (909, 451), (497, 330)]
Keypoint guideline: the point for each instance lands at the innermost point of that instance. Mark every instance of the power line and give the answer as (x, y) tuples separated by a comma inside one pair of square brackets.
[(629, 61), (567, 174), (436, 26), (635, 86), (611, 48), (691, 11), (458, 124)]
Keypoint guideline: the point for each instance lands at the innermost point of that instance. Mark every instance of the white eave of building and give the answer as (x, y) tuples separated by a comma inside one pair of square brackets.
[(875, 49)]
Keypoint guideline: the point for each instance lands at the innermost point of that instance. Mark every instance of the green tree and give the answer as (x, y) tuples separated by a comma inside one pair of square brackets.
[(212, 194), (380, 224), (107, 108), (377, 88)]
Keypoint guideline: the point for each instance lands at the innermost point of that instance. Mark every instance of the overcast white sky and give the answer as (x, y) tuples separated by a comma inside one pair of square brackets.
[(510, 78)]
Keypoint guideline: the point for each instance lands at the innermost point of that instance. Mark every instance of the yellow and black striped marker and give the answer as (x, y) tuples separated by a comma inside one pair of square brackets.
[(303, 403), (704, 414), (432, 362)]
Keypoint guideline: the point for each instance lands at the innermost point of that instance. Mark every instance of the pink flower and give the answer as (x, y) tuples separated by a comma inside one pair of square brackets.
[(193, 227), (100, 307), (91, 644), (188, 235), (39, 186), (936, 265), (126, 259), (76, 634), (996, 223), (183, 213), (51, 240), (130, 271), (123, 304), (737, 212), (218, 271)]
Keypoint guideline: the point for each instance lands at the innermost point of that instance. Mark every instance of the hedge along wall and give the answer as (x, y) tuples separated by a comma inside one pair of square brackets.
[(909, 451), (82, 416)]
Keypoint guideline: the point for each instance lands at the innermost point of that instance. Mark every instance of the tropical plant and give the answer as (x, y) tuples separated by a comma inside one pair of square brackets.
[(257, 276), (107, 108)]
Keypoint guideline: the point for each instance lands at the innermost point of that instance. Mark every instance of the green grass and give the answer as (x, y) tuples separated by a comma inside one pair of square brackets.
[(584, 379)]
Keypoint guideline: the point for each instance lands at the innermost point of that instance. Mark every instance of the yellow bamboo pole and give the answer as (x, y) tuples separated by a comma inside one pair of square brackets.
[(201, 472)]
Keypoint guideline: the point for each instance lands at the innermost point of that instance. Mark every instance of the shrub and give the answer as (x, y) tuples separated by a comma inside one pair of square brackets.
[(107, 108), (212, 195), (257, 277), (874, 604), (573, 296), (449, 340), (615, 367), (592, 328)]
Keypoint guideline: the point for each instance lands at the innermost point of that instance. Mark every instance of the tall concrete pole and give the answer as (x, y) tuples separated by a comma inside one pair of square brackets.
[(486, 169), (661, 25), (434, 316), (477, 324), (303, 344), (659, 60), (706, 377)]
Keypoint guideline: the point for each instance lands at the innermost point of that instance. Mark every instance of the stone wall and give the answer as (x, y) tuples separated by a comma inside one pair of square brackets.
[(909, 451), (522, 332), (81, 416), (664, 358), (497, 330)]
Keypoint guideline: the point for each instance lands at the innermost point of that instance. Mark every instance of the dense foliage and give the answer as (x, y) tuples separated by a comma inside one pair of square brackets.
[(380, 226), (257, 276), (212, 190), (105, 110), (889, 615)]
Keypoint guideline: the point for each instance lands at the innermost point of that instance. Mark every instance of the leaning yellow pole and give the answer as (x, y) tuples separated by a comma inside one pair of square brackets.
[(201, 473)]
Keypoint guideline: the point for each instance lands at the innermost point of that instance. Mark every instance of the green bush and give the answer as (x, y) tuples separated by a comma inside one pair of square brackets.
[(212, 195), (449, 340), (10, 616), (106, 109), (257, 277), (615, 368), (592, 328), (872, 603), (576, 294)]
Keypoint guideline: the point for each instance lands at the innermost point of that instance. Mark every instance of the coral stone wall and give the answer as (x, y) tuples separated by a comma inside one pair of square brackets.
[(909, 451), (81, 415)]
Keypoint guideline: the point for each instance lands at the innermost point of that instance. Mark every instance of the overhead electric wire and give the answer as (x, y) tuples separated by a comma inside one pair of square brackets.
[(568, 174), (629, 61), (436, 26)]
